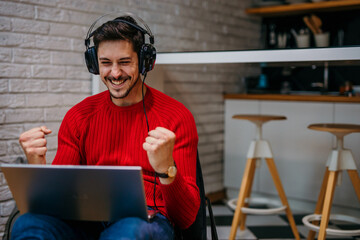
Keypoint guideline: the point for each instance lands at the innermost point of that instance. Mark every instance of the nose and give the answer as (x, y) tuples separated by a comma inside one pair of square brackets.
[(116, 71)]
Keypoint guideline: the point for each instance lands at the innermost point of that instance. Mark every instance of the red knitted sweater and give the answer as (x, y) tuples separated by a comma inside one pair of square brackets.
[(97, 132)]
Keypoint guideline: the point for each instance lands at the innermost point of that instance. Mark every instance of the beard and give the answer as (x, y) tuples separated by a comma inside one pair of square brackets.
[(127, 91)]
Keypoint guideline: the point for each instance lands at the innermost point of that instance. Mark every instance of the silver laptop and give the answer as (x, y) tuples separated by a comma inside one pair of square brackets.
[(90, 193)]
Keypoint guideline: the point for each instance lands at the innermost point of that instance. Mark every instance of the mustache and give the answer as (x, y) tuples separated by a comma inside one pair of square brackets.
[(121, 78)]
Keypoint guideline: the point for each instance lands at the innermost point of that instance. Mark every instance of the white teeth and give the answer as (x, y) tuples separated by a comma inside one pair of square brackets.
[(117, 82)]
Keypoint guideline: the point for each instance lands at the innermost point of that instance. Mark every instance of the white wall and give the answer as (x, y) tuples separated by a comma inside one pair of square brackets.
[(42, 71)]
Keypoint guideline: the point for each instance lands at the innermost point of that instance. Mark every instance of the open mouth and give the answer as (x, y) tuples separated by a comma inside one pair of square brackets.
[(117, 82)]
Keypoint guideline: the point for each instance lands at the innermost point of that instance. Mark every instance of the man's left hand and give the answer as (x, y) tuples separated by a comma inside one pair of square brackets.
[(159, 146)]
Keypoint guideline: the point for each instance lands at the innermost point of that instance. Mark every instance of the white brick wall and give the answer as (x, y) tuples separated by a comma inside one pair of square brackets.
[(42, 71)]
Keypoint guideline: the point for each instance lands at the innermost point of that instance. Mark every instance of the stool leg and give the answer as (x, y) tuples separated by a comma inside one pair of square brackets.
[(242, 194), (280, 189), (248, 193), (354, 177), (325, 215), (320, 203)]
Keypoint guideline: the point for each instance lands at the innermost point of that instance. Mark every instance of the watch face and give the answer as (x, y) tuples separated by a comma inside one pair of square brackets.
[(172, 171)]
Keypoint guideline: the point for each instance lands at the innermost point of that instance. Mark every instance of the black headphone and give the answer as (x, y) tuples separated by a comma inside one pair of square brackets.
[(146, 55)]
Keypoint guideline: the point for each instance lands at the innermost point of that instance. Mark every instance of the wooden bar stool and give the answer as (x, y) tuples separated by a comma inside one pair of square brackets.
[(259, 148), (339, 159)]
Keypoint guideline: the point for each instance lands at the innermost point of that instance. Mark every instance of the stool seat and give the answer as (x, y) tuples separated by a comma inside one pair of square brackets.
[(258, 117), (335, 127)]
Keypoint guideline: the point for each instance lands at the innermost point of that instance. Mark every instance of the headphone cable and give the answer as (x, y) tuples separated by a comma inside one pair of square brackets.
[(142, 92), (148, 128)]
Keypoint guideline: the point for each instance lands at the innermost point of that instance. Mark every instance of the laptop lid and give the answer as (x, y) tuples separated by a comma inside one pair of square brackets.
[(90, 193)]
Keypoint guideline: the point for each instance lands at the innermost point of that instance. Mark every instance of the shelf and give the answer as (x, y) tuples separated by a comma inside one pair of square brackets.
[(301, 8), (301, 98), (262, 56)]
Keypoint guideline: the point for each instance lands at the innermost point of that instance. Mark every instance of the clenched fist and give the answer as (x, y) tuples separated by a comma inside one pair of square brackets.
[(159, 146), (33, 143)]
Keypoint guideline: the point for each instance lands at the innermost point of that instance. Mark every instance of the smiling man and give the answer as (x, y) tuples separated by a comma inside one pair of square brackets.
[(130, 124)]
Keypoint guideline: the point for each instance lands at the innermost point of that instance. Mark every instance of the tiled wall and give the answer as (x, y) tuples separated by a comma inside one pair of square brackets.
[(42, 71)]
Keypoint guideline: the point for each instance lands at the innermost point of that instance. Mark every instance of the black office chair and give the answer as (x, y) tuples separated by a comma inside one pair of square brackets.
[(196, 231), (10, 222)]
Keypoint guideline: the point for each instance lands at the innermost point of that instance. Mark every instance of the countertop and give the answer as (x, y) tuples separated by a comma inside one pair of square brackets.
[(296, 97)]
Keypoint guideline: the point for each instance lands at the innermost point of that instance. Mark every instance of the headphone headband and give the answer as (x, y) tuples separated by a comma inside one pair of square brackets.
[(90, 33)]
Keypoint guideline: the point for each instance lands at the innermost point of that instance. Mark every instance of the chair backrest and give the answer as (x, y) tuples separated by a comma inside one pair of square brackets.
[(10, 223), (15, 212), (198, 229)]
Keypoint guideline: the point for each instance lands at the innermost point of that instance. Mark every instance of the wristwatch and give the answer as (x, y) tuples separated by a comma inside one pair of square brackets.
[(170, 173)]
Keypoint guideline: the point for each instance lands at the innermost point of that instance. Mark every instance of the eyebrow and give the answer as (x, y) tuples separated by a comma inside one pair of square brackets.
[(121, 59)]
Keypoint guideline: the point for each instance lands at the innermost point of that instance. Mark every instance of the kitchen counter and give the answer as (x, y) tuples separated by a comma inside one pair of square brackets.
[(294, 97)]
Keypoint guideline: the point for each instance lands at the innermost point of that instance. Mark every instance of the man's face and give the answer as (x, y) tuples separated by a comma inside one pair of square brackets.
[(118, 66)]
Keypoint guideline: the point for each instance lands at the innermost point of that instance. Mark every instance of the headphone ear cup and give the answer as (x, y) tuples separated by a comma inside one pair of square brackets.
[(147, 57), (91, 60)]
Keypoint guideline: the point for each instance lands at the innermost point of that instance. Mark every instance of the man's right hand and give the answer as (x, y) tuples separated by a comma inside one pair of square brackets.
[(33, 143)]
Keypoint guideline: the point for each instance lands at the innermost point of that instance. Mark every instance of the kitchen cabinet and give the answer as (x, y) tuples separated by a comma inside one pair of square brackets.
[(300, 154)]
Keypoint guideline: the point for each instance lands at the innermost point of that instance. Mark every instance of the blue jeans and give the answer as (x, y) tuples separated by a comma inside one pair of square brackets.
[(43, 227)]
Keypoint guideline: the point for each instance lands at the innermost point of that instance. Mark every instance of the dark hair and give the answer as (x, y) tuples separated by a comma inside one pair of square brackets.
[(116, 30)]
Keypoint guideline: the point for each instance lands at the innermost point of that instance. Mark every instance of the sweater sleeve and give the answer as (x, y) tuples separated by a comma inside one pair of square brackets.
[(68, 152), (181, 197)]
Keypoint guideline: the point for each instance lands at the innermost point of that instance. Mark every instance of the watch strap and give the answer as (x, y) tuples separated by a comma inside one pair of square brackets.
[(164, 175)]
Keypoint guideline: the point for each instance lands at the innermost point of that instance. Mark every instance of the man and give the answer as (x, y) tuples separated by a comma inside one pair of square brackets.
[(110, 128)]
